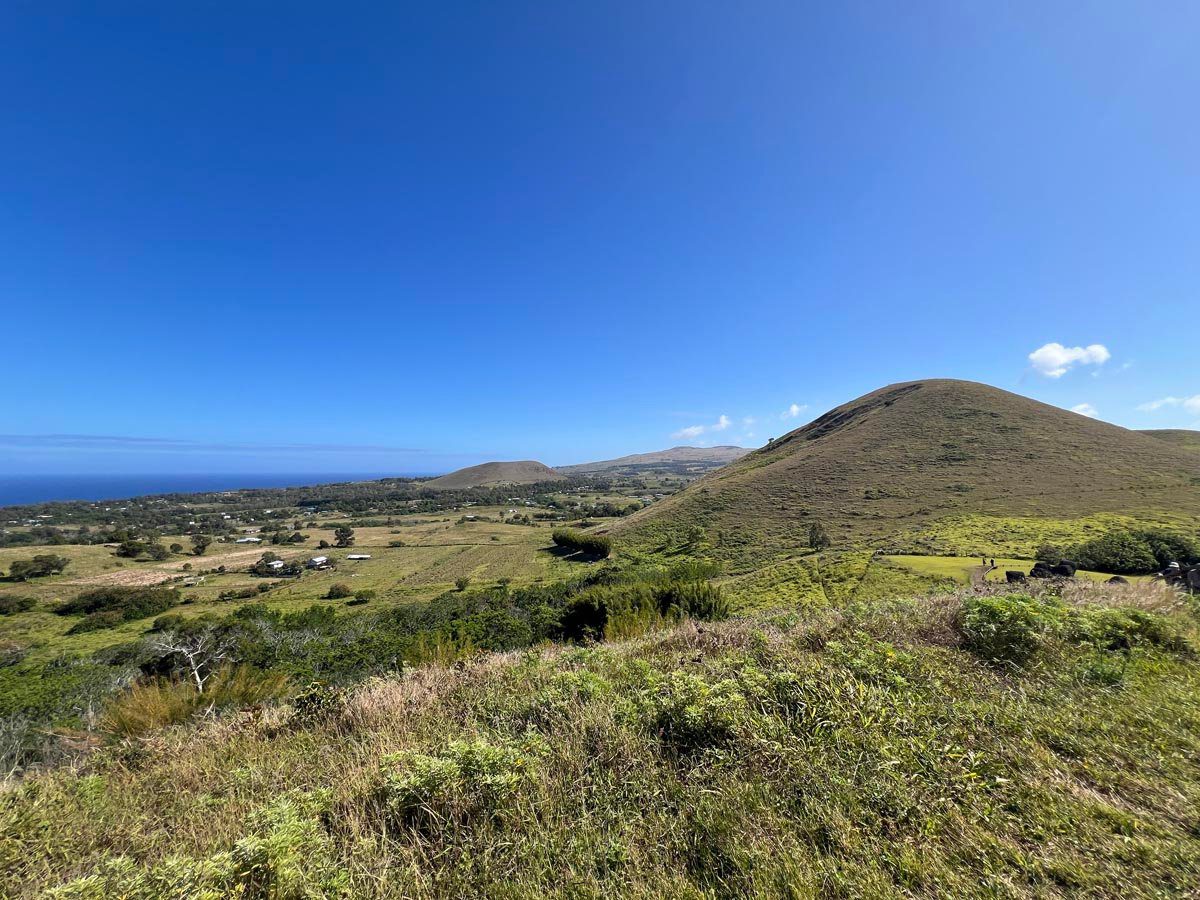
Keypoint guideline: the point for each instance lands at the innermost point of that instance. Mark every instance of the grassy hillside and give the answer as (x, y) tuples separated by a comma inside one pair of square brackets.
[(495, 473), (960, 746), (1180, 437), (709, 456), (885, 469)]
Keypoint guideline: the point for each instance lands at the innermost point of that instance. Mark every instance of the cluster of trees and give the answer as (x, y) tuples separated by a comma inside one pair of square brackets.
[(1127, 552), (39, 566), (138, 549), (597, 546), (108, 606)]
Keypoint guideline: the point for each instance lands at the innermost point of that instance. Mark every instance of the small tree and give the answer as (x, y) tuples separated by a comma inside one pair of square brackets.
[(818, 537), (343, 536), (339, 591), (462, 582), (200, 651), (200, 543)]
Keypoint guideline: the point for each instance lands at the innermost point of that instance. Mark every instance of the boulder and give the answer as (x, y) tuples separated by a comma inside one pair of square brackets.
[(1041, 570), (1193, 578), (1065, 569), (1117, 579), (1014, 577)]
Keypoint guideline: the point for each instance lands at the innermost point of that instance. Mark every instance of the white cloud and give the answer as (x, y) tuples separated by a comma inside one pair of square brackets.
[(694, 431), (1191, 404), (1054, 360), (1085, 409), (793, 411), (748, 421)]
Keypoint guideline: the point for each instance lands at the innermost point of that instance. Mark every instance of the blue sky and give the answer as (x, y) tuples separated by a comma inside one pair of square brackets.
[(399, 237)]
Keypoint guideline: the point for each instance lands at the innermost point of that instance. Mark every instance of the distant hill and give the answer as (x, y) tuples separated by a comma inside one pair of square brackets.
[(904, 457), (488, 474), (702, 456), (1180, 437)]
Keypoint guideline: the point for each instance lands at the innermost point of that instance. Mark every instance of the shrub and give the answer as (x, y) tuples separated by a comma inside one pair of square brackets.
[(109, 606), (598, 546), (40, 566), (690, 714), (10, 606), (1008, 629), (1122, 552), (466, 781), (462, 582), (339, 591)]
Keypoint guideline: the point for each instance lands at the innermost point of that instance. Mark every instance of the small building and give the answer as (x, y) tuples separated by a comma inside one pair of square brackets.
[(276, 564), (317, 562), (358, 556), (248, 540)]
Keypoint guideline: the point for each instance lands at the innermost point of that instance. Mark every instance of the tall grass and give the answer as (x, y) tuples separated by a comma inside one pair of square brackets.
[(150, 705)]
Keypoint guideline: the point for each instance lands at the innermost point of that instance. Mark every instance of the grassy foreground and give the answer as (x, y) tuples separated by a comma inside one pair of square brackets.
[(952, 746)]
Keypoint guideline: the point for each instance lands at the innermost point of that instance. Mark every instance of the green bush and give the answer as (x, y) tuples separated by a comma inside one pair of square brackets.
[(10, 606), (108, 607), (339, 591), (690, 714), (40, 566), (1121, 552), (1008, 629), (598, 546), (466, 781)]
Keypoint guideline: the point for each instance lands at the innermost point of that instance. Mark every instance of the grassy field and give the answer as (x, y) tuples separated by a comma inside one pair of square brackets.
[(959, 568), (435, 555), (865, 752)]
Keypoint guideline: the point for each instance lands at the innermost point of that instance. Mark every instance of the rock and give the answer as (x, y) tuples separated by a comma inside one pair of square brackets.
[(1041, 570), (1065, 569), (1014, 577), (1117, 579), (1193, 578)]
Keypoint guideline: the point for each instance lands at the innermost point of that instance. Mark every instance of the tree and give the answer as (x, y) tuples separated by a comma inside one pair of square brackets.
[(41, 565), (200, 543), (338, 591), (818, 537), (199, 650), (176, 548), (343, 536)]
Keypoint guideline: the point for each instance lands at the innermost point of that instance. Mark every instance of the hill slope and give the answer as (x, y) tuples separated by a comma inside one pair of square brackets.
[(526, 471), (1185, 438), (709, 456), (891, 463), (850, 754)]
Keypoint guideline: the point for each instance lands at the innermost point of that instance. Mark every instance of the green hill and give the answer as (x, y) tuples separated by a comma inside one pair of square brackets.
[(1180, 437), (699, 456), (939, 465), (496, 473)]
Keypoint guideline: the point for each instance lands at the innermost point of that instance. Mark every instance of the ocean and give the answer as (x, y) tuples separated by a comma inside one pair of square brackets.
[(20, 489)]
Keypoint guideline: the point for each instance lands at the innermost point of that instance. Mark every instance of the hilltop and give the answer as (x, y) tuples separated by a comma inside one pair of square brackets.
[(700, 456), (894, 466), (490, 474), (1180, 437)]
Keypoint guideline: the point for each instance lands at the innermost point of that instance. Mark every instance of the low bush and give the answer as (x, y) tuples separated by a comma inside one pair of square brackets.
[(690, 714), (456, 786), (598, 546), (1010, 628), (10, 606), (339, 591)]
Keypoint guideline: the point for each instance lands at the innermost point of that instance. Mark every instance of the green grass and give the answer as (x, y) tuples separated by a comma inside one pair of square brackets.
[(959, 568), (843, 753), (435, 555)]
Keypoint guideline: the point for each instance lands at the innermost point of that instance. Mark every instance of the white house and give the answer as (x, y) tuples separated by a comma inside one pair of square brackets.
[(277, 564), (317, 561), (248, 540), (358, 556)]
